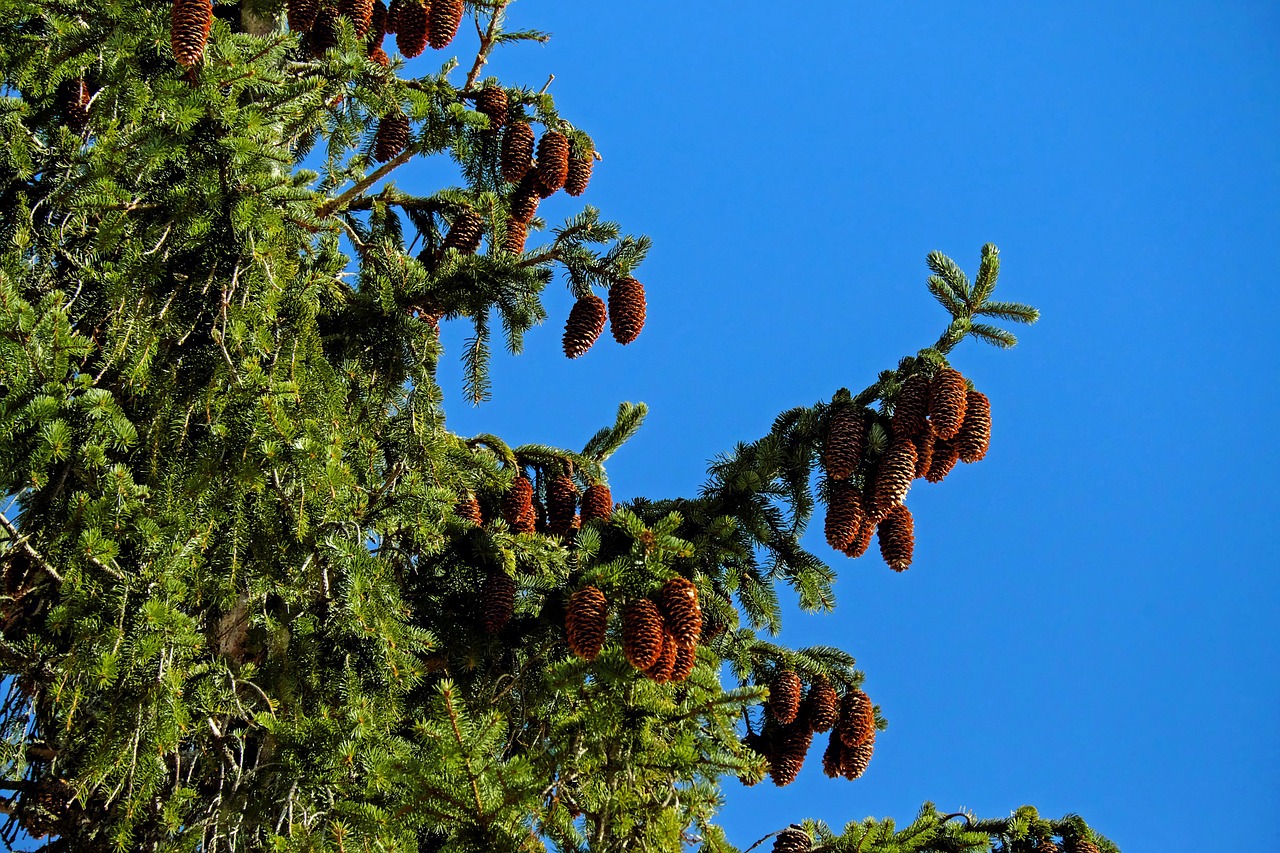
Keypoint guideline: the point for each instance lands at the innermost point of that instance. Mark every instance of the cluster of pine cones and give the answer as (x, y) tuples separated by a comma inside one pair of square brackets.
[(415, 24), (790, 723), (937, 421), (659, 639), (625, 314), (559, 165)]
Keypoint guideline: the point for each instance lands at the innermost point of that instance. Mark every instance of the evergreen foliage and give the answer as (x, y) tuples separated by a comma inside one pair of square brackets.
[(256, 594)]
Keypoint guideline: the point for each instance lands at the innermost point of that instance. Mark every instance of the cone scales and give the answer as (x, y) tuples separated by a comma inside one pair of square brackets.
[(845, 444), (686, 660), (562, 504), (897, 538), (822, 707), (844, 514), (947, 398), (492, 102), (190, 30), (585, 324), (897, 470), (791, 745), (586, 618), (642, 633), (857, 719), (945, 456), (302, 14), (553, 161), (597, 502), (444, 18), (862, 541), (497, 601), (391, 137), (411, 28), (579, 175), (516, 151), (468, 508), (911, 408), (626, 310), (359, 12), (465, 232), (975, 433), (792, 840), (784, 697), (681, 611), (924, 441), (517, 505), (661, 670)]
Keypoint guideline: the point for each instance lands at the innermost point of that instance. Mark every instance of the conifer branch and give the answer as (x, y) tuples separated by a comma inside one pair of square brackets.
[(21, 542)]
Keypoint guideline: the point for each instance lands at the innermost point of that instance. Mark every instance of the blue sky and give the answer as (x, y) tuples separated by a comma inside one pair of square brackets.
[(1088, 625)]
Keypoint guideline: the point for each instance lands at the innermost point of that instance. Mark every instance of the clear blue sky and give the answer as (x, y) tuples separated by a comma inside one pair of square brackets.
[(1089, 625)]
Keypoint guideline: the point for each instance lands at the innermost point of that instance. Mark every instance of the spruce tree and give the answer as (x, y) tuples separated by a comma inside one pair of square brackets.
[(258, 596)]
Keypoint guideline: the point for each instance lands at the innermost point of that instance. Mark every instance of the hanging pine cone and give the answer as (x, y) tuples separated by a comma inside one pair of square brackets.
[(524, 200), (378, 56), (975, 433), (553, 161), (562, 504), (642, 632), (924, 441), (792, 840), (821, 706), (492, 102), (897, 470), (833, 757), (586, 322), (517, 151), (324, 31), (359, 13), (911, 407), (1045, 844), (517, 235), (626, 310), (945, 456), (445, 16), (1079, 844), (497, 601), (393, 15), (468, 508), (73, 98), (391, 137), (897, 538), (857, 758), (465, 232), (302, 14), (517, 505), (190, 30), (585, 619), (784, 697), (862, 541), (947, 397), (857, 721), (579, 174), (597, 502), (686, 660), (844, 514), (378, 24), (791, 745), (681, 611), (411, 28), (846, 442), (662, 668)]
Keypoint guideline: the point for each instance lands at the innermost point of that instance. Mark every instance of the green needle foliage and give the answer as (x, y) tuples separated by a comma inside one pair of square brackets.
[(256, 594)]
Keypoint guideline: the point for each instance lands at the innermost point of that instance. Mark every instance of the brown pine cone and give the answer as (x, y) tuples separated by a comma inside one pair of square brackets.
[(492, 102), (517, 505), (579, 174), (681, 611), (945, 456), (411, 28), (524, 201), (857, 758), (517, 151), (302, 14), (844, 514), (597, 502), (586, 322), (686, 660), (498, 601), (833, 757), (465, 232), (190, 30), (1077, 844), (784, 697), (562, 504), (947, 397), (1045, 844), (378, 24), (393, 15), (897, 538), (897, 470), (911, 408), (324, 31), (73, 97), (846, 442), (626, 310), (553, 160), (642, 632), (391, 137), (517, 235), (585, 620), (662, 668), (821, 706), (924, 441), (445, 16), (862, 541), (975, 433), (857, 719), (790, 746), (792, 840), (359, 13), (468, 508), (378, 56)]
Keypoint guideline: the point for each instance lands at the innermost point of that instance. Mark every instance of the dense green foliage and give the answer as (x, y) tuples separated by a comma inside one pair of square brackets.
[(242, 609)]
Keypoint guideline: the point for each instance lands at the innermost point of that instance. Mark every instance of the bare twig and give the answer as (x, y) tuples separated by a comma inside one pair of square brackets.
[(21, 541), (487, 41)]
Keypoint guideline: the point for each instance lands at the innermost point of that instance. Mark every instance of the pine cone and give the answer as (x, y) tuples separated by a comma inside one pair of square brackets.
[(857, 758), (1077, 844), (562, 504), (1045, 844), (393, 15), (626, 310), (924, 441), (822, 707), (758, 744), (492, 102), (862, 541), (517, 151), (324, 31), (445, 16), (391, 137), (642, 632), (662, 668), (833, 757), (579, 174), (585, 620), (912, 407), (975, 433), (681, 611), (302, 14), (411, 28), (498, 601), (897, 538), (517, 505), (686, 660), (897, 470), (784, 697), (468, 508), (597, 502), (857, 719), (517, 235), (790, 746), (792, 840), (378, 56), (190, 30), (553, 160), (945, 456), (947, 397), (465, 232), (846, 442), (844, 514), (73, 97), (359, 13), (378, 24), (586, 322)]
